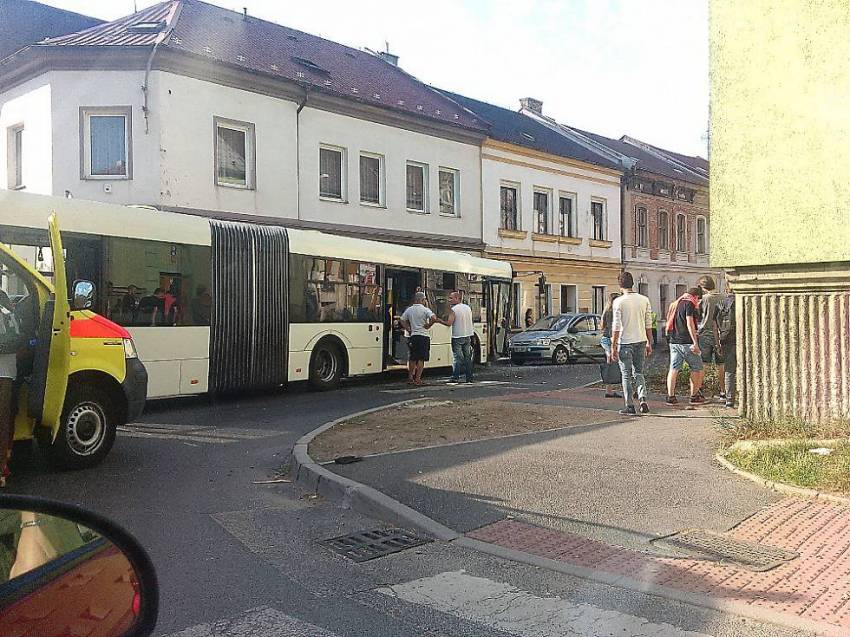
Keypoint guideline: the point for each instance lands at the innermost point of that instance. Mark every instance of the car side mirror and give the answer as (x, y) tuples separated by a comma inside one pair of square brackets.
[(573, 330), (83, 297), (65, 568)]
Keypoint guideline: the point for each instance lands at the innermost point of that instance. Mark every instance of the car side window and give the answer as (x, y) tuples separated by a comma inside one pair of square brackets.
[(584, 325)]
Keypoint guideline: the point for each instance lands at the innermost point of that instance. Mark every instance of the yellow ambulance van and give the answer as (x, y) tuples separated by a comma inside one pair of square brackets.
[(78, 375)]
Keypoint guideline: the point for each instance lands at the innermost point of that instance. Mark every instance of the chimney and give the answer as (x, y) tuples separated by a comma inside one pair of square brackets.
[(386, 56), (531, 104), (244, 13)]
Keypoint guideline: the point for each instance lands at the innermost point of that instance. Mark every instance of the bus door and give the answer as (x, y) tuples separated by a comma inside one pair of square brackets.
[(400, 287), (499, 317)]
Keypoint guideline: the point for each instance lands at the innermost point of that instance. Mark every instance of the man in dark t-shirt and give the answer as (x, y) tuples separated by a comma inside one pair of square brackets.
[(684, 345)]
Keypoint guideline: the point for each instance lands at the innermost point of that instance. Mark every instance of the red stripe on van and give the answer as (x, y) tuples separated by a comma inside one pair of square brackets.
[(93, 325)]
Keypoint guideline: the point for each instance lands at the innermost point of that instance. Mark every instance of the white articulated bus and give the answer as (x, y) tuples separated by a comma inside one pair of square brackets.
[(222, 306)]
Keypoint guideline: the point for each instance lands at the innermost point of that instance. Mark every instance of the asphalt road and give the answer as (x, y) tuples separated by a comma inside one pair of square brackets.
[(239, 558)]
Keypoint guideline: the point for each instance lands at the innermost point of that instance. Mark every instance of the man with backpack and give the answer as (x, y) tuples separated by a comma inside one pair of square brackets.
[(726, 320), (682, 322), (708, 329)]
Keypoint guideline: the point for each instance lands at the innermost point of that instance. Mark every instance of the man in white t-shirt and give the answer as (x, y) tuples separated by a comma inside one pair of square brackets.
[(460, 320), (417, 320), (631, 342)]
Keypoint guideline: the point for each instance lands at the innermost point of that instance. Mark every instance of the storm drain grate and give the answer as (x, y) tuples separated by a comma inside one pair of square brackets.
[(367, 545), (715, 547)]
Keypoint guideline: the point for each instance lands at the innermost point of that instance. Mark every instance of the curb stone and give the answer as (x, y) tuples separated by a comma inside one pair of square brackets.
[(781, 487), (373, 503)]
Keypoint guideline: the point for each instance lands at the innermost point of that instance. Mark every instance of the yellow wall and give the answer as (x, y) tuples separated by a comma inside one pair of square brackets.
[(780, 132)]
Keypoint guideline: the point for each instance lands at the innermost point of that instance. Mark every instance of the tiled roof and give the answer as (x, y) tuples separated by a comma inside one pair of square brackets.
[(515, 128), (23, 22), (646, 160), (699, 163), (260, 46)]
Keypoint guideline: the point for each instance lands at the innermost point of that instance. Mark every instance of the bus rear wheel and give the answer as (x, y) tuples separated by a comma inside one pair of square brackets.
[(326, 367), (86, 431)]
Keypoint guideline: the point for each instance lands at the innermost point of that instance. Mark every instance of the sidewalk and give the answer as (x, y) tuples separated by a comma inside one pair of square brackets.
[(594, 496)]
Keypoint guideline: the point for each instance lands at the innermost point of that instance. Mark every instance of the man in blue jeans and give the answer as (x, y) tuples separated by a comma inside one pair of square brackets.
[(631, 342), (460, 320)]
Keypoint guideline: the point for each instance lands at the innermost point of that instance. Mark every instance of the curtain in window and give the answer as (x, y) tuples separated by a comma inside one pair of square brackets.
[(598, 221), (231, 156), (108, 145), (416, 188), (330, 173), (370, 179), (19, 157), (447, 192), (508, 204), (541, 209), (566, 207)]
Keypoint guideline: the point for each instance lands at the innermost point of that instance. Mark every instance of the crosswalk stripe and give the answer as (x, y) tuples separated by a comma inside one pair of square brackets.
[(208, 435), (262, 620), (511, 610)]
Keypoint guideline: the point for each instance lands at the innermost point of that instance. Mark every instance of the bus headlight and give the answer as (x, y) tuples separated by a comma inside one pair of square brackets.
[(130, 349)]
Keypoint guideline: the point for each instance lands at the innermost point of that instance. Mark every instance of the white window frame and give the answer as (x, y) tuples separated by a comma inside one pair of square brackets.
[(15, 157), (543, 191), (565, 287), (515, 186), (704, 235), (343, 173), (604, 220), (549, 299), (425, 188), (382, 181), (572, 231), (601, 300), (250, 152), (456, 178), (86, 113)]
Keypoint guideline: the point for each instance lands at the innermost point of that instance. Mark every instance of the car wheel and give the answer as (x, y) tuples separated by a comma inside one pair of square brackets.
[(86, 430), (325, 367), (561, 356)]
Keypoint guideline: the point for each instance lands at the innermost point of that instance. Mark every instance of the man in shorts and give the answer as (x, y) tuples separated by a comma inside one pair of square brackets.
[(684, 345), (708, 329), (417, 320)]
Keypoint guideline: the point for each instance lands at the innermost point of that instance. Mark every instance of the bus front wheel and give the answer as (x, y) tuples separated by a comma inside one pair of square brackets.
[(86, 430), (326, 365)]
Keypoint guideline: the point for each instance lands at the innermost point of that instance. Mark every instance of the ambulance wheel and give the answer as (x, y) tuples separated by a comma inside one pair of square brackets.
[(86, 432)]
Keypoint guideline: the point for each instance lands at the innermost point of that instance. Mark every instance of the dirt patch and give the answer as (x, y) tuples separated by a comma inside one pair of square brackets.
[(436, 422)]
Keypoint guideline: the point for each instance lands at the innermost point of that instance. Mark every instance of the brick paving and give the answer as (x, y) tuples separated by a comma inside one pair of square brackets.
[(815, 586)]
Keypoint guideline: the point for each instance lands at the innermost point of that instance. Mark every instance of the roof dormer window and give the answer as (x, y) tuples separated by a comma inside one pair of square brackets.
[(146, 27), (310, 65)]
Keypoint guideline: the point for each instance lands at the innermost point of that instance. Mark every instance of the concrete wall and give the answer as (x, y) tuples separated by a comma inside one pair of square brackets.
[(780, 95), (398, 146), (73, 89), (186, 108), (29, 105)]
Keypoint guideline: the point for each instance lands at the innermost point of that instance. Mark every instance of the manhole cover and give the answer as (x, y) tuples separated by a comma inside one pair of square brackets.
[(705, 545), (367, 545)]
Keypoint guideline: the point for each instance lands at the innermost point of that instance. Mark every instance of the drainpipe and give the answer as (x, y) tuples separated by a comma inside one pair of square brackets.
[(623, 185), (298, 154)]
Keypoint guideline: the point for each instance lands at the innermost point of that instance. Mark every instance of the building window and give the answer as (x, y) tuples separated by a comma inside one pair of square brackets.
[(548, 300), (15, 154), (106, 143), (681, 288), (566, 220), (681, 246), (642, 238), (541, 212), (235, 163), (643, 288), (598, 299), (371, 179), (509, 207), (332, 174), (663, 299), (663, 230), (568, 299), (597, 211), (516, 303), (417, 187), (449, 187), (702, 247)]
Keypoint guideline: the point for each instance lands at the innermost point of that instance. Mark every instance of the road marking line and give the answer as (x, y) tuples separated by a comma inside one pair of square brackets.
[(263, 620), (140, 434), (509, 609), (209, 435)]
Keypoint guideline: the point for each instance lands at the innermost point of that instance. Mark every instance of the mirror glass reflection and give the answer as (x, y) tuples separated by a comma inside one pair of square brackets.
[(60, 578)]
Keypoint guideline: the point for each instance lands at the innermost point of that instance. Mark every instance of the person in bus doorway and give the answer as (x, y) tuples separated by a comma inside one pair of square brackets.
[(417, 320), (460, 320), (10, 341)]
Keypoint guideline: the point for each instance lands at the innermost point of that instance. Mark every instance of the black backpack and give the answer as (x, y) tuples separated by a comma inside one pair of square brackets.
[(726, 319)]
